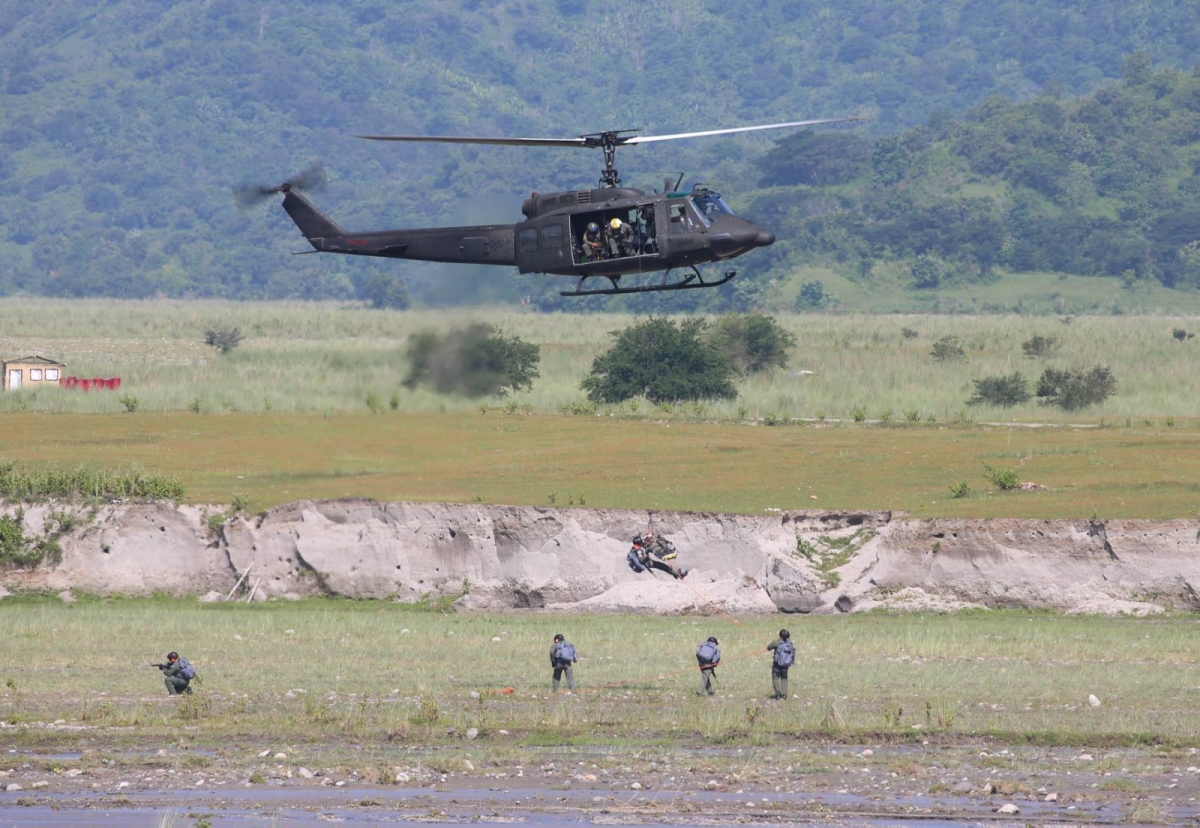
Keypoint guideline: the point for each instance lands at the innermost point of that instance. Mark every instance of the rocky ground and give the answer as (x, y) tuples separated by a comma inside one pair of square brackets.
[(111, 777)]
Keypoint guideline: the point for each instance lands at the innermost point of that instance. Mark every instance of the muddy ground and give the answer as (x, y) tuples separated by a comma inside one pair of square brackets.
[(112, 776)]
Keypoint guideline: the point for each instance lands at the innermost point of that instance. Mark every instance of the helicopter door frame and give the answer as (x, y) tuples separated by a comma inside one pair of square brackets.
[(627, 214), (543, 245)]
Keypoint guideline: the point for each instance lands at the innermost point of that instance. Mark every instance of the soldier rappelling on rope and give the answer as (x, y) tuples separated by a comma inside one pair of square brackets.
[(652, 551)]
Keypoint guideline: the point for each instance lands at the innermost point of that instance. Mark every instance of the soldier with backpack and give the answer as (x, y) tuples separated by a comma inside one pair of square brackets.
[(562, 656), (178, 673), (785, 657), (708, 654), (642, 556)]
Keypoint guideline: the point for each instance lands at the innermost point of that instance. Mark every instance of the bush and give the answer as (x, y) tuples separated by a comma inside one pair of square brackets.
[(386, 290), (663, 362), (1040, 347), (947, 349), (960, 489), (928, 271), (473, 361), (1182, 334), (25, 551), (129, 401), (1072, 390), (1003, 479), (1004, 391), (753, 342), (223, 339), (909, 333), (812, 296)]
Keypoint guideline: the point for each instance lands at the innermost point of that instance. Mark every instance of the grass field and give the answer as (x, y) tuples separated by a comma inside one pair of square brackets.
[(379, 671), (330, 358), (523, 459), (285, 415)]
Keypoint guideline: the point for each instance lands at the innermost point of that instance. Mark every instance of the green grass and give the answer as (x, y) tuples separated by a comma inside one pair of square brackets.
[(326, 357), (379, 672), (608, 462)]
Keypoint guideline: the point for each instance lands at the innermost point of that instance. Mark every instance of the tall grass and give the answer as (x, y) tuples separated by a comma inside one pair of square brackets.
[(330, 357), (18, 483)]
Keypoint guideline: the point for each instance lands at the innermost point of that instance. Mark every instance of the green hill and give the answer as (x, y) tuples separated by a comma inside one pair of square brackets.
[(123, 125), (1103, 185)]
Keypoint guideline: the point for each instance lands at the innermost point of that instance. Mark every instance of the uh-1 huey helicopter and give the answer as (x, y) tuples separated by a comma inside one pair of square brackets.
[(639, 233)]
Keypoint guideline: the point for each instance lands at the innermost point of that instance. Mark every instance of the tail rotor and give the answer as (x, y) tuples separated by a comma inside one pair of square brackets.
[(310, 179)]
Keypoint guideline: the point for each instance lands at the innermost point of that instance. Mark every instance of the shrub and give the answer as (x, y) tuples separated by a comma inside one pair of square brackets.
[(129, 401), (928, 271), (947, 349), (909, 333), (1074, 389), (1002, 390), (473, 361), (223, 339), (1041, 347), (1182, 334), (812, 296), (1003, 479), (753, 342), (386, 290), (374, 403), (960, 489), (25, 551), (663, 362)]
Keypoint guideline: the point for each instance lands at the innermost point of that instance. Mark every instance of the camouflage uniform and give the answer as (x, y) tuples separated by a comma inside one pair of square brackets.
[(779, 675), (176, 683), (707, 668), (561, 666)]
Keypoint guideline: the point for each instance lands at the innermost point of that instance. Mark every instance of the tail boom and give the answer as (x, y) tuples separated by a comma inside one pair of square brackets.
[(481, 244)]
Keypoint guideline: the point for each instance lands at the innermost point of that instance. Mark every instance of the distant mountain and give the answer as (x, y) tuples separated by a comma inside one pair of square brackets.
[(123, 125)]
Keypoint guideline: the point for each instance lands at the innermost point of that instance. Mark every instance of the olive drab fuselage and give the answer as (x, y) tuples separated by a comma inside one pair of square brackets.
[(670, 230), (655, 232)]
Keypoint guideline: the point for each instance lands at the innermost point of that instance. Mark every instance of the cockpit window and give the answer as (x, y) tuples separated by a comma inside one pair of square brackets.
[(710, 205)]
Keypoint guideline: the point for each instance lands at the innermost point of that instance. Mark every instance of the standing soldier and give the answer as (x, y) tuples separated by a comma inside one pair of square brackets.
[(708, 655), (785, 657), (177, 674), (562, 656)]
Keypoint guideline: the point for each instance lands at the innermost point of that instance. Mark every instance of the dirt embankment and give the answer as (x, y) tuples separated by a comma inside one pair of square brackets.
[(509, 557)]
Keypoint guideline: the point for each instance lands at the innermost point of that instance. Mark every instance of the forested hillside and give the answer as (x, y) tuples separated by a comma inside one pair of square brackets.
[(123, 126), (1107, 184)]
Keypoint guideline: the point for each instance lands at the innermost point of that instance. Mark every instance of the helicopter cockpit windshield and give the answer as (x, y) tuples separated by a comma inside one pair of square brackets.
[(710, 205)]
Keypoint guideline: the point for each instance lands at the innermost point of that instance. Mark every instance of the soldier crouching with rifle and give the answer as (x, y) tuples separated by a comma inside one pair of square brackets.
[(177, 674)]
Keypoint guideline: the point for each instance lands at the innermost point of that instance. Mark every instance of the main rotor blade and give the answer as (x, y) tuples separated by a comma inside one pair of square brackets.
[(511, 142), (645, 139), (595, 139)]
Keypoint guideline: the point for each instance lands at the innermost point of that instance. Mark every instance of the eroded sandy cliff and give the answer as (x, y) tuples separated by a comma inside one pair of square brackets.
[(507, 557)]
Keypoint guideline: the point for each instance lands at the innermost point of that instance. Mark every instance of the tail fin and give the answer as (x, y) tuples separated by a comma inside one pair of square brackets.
[(312, 222)]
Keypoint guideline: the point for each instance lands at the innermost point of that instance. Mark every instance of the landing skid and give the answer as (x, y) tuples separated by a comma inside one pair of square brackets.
[(692, 280)]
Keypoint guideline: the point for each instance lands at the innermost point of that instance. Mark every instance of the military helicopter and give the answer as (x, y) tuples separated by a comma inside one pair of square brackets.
[(609, 232)]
